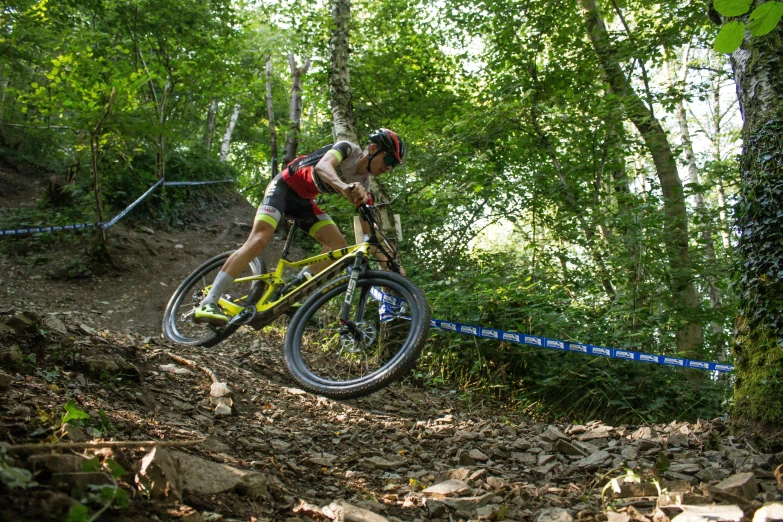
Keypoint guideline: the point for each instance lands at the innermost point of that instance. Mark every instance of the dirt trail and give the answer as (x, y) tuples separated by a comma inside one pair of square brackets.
[(401, 454)]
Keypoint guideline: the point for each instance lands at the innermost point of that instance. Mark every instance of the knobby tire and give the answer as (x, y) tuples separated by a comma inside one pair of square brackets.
[(314, 353)]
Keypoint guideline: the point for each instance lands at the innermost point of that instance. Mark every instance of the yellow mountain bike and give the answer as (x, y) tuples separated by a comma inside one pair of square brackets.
[(357, 332)]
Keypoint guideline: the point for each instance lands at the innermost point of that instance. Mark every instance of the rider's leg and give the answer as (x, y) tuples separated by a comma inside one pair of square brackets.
[(267, 217), (259, 237), (331, 239)]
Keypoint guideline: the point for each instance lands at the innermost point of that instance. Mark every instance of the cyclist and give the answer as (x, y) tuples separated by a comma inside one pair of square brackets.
[(342, 168)]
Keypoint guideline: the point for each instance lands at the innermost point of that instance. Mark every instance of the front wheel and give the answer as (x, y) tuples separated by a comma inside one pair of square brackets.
[(380, 343)]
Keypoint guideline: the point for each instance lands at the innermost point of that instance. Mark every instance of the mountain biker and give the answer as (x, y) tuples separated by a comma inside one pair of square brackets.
[(342, 168)]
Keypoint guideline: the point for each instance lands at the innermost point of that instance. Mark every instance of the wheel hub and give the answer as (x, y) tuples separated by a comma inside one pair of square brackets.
[(363, 334)]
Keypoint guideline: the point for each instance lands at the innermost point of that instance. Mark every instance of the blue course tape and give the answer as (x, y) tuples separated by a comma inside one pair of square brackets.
[(391, 304), (191, 183), (36, 230), (130, 207), (20, 231)]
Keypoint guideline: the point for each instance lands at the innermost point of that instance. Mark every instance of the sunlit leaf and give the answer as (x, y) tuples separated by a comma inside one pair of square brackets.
[(78, 513), (730, 37), (91, 465), (732, 7), (765, 18), (72, 412), (117, 471)]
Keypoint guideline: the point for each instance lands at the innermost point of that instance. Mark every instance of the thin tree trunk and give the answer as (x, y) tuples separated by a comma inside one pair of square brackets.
[(705, 234), (342, 102), (95, 137), (270, 112), (226, 143), (624, 199), (689, 338), (759, 338), (210, 131), (96, 186), (340, 75), (725, 230), (4, 89), (572, 202), (295, 108), (160, 110)]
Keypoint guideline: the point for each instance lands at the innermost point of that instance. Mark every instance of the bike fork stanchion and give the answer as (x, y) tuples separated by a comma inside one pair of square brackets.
[(345, 312)]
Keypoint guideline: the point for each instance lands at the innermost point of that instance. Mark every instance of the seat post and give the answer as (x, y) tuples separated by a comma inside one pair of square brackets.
[(289, 240)]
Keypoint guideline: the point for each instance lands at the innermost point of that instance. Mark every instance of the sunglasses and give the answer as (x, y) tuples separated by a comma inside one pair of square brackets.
[(389, 160)]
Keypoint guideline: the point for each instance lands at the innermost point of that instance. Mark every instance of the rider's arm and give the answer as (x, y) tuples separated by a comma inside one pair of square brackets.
[(325, 170)]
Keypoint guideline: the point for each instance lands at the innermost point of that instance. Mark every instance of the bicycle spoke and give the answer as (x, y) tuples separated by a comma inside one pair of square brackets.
[(181, 324), (340, 353)]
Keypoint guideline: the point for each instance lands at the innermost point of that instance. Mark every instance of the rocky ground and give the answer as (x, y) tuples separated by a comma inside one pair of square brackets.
[(100, 419), (238, 442)]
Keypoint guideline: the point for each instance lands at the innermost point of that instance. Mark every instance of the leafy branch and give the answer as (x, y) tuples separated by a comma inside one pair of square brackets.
[(761, 21)]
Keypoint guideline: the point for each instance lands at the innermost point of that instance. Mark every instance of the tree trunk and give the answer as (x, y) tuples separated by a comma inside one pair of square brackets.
[(210, 124), (714, 293), (689, 338), (759, 338), (271, 116), (339, 73), (717, 117), (229, 131), (95, 141), (587, 229), (342, 102), (3, 93), (295, 108)]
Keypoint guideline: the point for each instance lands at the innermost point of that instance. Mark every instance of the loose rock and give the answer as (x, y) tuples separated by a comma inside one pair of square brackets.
[(554, 515), (450, 488)]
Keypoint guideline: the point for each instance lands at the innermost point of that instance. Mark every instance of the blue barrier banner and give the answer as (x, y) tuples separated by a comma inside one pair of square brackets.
[(391, 304), (193, 183), (115, 219), (35, 230), (130, 207), (565, 346)]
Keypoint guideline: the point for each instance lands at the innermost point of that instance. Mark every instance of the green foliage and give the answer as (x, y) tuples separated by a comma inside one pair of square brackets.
[(106, 495), (13, 477), (78, 513), (765, 18), (551, 384), (730, 37), (762, 20), (732, 7), (72, 412)]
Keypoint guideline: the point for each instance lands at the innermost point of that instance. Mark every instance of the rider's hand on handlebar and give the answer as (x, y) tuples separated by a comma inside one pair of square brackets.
[(355, 193)]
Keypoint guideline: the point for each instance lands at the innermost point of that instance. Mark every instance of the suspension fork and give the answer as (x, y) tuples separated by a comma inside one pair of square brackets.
[(359, 266)]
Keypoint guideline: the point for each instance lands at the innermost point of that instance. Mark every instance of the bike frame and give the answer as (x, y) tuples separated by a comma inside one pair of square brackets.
[(266, 310)]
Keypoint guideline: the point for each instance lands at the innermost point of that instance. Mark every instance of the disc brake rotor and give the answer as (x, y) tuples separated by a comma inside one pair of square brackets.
[(366, 334)]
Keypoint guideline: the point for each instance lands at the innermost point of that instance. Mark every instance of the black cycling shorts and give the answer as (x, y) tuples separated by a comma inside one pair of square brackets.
[(282, 200)]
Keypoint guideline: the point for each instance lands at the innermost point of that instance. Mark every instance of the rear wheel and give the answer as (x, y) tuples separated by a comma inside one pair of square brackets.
[(381, 343), (178, 325)]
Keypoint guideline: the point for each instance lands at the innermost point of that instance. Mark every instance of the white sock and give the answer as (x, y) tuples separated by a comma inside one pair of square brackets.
[(223, 282)]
